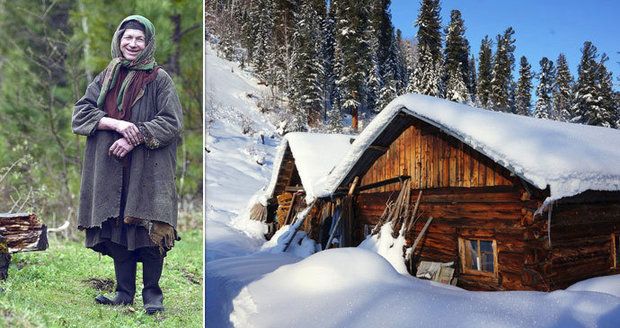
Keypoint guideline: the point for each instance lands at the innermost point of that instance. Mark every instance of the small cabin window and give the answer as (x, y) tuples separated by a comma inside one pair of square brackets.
[(478, 256), (615, 249)]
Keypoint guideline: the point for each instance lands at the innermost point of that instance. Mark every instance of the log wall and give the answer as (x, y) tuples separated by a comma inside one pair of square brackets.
[(497, 213), (581, 242)]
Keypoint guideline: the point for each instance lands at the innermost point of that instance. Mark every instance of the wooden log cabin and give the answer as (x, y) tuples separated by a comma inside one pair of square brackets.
[(517, 203), (302, 159)]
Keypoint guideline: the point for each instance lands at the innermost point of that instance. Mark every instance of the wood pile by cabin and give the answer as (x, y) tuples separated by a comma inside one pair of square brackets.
[(493, 224)]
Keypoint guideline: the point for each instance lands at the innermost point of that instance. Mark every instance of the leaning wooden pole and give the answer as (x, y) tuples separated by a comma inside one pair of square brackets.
[(349, 194), (297, 223)]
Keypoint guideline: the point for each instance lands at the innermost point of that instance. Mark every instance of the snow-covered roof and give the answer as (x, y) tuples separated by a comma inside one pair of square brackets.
[(316, 154), (569, 158)]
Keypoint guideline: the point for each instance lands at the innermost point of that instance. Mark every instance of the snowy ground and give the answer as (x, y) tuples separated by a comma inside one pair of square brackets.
[(250, 285)]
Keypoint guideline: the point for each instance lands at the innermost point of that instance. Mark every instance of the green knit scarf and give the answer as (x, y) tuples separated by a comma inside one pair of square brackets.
[(144, 62)]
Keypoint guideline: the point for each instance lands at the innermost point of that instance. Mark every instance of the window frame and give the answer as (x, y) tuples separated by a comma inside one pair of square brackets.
[(464, 249)]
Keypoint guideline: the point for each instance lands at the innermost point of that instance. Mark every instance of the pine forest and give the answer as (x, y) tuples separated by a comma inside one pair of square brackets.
[(333, 65)]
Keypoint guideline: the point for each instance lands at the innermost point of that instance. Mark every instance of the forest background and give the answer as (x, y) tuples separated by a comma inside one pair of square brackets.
[(50, 51), (333, 65)]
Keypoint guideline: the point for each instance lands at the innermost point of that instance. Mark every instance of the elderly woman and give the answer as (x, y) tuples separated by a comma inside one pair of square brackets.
[(132, 118)]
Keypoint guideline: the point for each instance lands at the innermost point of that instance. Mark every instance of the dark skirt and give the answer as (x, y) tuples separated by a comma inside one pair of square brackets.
[(129, 236)]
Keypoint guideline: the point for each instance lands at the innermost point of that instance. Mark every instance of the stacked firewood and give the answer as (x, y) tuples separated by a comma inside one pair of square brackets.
[(22, 232), (19, 232), (284, 205)]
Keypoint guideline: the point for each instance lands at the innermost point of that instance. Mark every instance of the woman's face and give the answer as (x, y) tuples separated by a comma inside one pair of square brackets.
[(132, 43)]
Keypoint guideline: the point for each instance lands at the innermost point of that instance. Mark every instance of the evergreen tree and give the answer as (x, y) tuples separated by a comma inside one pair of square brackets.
[(327, 51), (524, 88), (425, 78), (544, 105), (374, 80), (512, 97), (562, 93), (263, 54), (381, 19), (282, 56), (334, 120), (388, 56), (306, 90), (591, 98), (352, 55), (456, 89), (401, 74), (608, 110), (473, 80), (485, 71), (456, 62), (503, 63)]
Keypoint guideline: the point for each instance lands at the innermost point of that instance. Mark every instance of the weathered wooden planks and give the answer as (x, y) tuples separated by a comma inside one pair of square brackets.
[(434, 160)]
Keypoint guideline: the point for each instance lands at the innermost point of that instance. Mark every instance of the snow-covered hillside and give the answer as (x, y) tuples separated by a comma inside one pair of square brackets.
[(234, 126), (252, 286)]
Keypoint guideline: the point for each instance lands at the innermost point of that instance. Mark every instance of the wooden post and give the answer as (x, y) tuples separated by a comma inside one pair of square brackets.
[(349, 194), (417, 240)]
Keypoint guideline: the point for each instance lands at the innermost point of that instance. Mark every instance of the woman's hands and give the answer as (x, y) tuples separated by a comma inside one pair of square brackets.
[(128, 130), (120, 148)]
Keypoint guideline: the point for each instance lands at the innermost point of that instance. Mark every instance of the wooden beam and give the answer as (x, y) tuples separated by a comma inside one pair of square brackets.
[(383, 183), (378, 148), (293, 188)]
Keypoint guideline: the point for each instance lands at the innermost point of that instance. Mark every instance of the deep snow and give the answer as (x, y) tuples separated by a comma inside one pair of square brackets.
[(250, 284)]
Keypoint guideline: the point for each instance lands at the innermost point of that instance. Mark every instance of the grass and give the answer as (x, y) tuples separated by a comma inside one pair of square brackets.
[(57, 287)]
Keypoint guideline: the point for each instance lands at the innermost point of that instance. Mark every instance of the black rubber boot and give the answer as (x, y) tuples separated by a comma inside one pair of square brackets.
[(125, 271), (152, 294)]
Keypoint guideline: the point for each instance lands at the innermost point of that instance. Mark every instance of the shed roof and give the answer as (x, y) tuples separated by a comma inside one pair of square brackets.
[(569, 158), (315, 154)]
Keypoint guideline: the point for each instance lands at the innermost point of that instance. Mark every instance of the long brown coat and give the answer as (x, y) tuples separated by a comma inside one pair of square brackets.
[(152, 192)]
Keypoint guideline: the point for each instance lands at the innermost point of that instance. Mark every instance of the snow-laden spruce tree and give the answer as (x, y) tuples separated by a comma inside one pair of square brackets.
[(523, 99), (456, 88), (306, 92), (334, 120), (327, 54), (263, 53), (381, 23), (563, 91), (374, 81), (608, 116), (351, 55), (546, 81), (473, 80), (402, 51), (485, 73), (456, 60), (387, 55), (503, 63), (590, 103), (285, 16), (426, 74)]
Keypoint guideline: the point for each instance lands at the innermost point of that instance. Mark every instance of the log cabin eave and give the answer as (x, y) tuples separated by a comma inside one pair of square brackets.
[(401, 121)]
